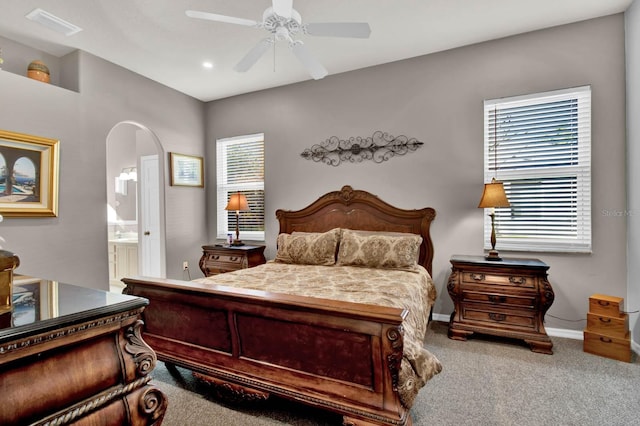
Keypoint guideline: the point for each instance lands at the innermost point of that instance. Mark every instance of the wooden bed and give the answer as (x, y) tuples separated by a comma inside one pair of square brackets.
[(241, 340)]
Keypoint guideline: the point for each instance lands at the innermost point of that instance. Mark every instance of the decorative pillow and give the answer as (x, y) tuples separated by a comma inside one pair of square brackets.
[(308, 248), (382, 250)]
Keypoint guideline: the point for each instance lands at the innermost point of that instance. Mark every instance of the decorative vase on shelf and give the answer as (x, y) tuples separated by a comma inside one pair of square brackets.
[(37, 70), (8, 262)]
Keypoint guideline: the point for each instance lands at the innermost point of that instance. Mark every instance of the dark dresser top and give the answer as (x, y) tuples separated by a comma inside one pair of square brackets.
[(505, 262), (40, 305)]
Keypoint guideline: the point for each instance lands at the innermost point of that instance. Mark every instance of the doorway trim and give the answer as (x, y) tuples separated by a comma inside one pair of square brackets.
[(161, 187)]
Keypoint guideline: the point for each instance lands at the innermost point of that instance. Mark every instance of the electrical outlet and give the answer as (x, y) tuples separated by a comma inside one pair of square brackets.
[(185, 265)]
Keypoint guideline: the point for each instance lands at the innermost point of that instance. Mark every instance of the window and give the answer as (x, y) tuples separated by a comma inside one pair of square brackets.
[(240, 168), (539, 146)]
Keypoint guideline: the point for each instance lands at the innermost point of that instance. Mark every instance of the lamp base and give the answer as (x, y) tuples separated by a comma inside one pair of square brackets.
[(237, 243), (493, 255)]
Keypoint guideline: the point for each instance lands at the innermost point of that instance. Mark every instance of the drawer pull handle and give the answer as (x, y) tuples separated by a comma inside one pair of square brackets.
[(605, 340), (233, 259), (215, 257), (497, 299), (477, 277), (517, 280), (605, 320), (603, 303), (497, 317)]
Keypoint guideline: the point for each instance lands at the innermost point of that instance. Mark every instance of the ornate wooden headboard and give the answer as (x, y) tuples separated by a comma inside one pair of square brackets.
[(357, 209)]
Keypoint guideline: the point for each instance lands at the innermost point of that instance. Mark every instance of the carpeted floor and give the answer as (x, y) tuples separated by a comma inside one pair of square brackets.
[(485, 381)]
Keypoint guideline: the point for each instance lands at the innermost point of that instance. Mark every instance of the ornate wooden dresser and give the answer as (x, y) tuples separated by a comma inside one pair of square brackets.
[(71, 354), (506, 298)]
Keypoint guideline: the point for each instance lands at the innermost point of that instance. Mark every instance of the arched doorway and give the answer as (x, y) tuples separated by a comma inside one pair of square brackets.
[(135, 202)]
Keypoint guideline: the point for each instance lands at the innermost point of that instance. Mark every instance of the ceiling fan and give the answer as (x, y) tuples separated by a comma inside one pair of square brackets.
[(284, 22)]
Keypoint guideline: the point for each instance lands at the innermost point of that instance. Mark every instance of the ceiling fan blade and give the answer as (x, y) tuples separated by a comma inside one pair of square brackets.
[(254, 54), (339, 29), (312, 65), (220, 18), (283, 8)]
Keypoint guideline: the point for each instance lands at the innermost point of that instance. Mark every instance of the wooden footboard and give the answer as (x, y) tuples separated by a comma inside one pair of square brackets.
[(341, 356)]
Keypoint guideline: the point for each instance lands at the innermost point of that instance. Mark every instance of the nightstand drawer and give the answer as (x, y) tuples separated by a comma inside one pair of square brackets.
[(226, 260), (507, 318), (497, 279), (499, 299), (216, 269)]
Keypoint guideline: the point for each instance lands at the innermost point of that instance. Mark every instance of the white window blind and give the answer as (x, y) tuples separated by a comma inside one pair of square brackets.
[(240, 168), (539, 146)]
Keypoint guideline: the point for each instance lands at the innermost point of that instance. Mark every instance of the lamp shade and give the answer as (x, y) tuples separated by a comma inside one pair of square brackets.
[(237, 202), (493, 195)]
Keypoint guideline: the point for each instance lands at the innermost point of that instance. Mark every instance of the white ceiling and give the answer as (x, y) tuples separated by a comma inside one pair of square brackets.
[(156, 39)]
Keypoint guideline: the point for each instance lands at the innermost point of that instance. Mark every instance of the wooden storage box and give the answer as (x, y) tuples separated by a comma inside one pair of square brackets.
[(609, 326), (606, 346), (611, 306)]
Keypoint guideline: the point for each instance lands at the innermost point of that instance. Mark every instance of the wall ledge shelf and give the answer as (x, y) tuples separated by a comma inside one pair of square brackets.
[(64, 70), (14, 78)]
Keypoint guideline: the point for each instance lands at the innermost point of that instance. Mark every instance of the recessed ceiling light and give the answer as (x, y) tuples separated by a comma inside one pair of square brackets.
[(208, 65), (52, 22)]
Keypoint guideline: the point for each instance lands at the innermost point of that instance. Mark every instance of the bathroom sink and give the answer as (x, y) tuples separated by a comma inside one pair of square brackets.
[(123, 240), (124, 237)]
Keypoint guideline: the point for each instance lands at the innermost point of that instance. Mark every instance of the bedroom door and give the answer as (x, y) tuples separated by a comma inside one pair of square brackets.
[(150, 239)]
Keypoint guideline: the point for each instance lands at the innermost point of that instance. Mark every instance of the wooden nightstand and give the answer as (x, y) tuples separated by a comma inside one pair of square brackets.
[(217, 259), (506, 298)]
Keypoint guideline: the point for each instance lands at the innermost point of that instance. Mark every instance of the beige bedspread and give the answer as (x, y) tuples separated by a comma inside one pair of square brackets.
[(413, 291)]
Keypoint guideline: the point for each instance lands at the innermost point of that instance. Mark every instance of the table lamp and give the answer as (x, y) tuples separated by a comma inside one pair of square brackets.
[(494, 195), (237, 202)]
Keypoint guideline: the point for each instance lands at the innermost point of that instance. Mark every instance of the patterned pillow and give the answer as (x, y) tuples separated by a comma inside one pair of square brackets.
[(382, 250), (308, 248)]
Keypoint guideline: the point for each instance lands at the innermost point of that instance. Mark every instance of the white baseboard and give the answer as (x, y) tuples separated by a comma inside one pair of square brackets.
[(441, 317), (566, 333), (554, 332)]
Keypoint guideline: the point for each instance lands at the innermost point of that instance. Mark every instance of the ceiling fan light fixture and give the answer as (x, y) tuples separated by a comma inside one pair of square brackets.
[(282, 34), (271, 21), (284, 22)]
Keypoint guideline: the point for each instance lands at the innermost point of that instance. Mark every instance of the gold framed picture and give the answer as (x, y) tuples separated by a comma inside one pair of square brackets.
[(186, 170), (28, 175)]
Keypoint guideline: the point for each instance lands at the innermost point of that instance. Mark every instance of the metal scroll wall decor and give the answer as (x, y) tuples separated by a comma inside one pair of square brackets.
[(378, 148)]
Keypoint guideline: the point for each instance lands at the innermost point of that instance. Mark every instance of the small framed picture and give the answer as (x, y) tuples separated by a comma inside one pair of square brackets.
[(186, 170)]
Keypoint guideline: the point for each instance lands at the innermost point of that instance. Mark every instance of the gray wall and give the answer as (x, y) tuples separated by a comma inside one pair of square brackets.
[(438, 99), (435, 98), (633, 158), (73, 246)]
